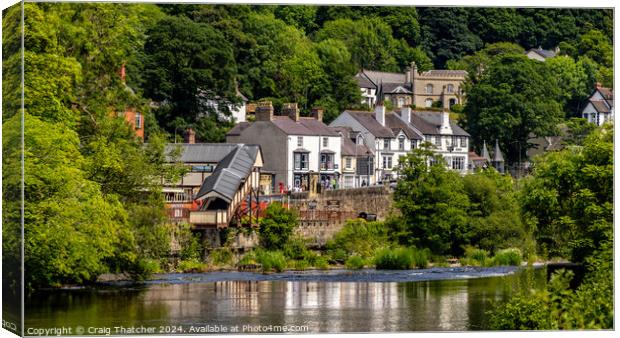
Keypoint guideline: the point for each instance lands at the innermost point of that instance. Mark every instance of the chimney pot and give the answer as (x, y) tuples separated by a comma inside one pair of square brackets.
[(264, 111), (190, 136), (598, 85), (291, 110), (317, 113)]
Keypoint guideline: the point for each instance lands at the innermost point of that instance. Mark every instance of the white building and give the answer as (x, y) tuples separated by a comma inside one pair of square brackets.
[(392, 135), (600, 106)]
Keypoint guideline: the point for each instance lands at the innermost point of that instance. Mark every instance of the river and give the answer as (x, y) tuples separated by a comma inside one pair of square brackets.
[(439, 299)]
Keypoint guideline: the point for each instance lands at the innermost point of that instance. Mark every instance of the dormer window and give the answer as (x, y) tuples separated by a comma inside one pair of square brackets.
[(429, 88), (386, 143), (401, 143)]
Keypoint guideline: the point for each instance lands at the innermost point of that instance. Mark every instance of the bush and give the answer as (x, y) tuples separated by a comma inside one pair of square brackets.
[(476, 257), (401, 258), (355, 263), (271, 260), (321, 263), (221, 256), (357, 237), (191, 265), (277, 226), (511, 256)]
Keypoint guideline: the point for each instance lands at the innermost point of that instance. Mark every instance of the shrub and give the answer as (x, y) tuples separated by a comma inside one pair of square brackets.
[(221, 256), (401, 258), (357, 237), (299, 264), (355, 262), (191, 265), (277, 226), (476, 257), (321, 263), (271, 260), (511, 256)]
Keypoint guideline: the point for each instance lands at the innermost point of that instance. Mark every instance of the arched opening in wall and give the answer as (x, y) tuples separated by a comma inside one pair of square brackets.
[(452, 102), (428, 103)]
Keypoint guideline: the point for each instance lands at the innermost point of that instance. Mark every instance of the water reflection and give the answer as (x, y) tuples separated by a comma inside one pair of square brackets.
[(322, 306)]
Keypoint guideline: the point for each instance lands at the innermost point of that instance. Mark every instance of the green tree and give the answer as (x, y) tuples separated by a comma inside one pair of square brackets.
[(277, 226), (511, 101)]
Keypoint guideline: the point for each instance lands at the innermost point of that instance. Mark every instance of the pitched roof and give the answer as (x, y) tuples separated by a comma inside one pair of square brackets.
[(394, 122), (396, 88), (429, 123), (199, 152), (485, 152), (607, 93), (238, 128), (230, 172), (378, 77), (543, 52), (600, 106), (349, 148), (444, 73), (304, 126), (497, 153), (367, 119), (363, 81)]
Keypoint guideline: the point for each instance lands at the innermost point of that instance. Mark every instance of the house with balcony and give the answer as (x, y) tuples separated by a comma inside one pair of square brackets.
[(391, 135), (357, 160), (219, 176), (300, 152)]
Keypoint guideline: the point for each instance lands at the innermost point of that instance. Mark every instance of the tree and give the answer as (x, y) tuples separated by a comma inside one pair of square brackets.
[(570, 197), (573, 81), (511, 101), (277, 226), (189, 67)]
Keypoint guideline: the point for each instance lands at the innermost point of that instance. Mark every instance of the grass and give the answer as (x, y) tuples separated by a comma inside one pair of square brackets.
[(354, 263), (401, 258), (510, 256), (476, 257), (271, 260), (221, 256), (191, 265)]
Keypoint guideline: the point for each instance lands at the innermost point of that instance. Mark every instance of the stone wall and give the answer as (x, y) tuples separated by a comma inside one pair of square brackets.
[(322, 215)]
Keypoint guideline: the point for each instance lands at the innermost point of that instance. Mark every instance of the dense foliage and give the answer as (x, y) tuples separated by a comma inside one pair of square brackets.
[(444, 212), (276, 227), (92, 197)]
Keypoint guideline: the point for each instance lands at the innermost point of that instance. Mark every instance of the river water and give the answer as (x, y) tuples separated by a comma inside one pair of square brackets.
[(439, 299)]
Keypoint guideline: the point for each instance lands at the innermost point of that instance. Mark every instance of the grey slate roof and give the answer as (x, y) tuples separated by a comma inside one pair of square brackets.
[(543, 52), (395, 123), (367, 119), (497, 153), (238, 128), (305, 126), (230, 172), (600, 106), (444, 73), (364, 82), (428, 122), (485, 152), (200, 152), (396, 88), (378, 77)]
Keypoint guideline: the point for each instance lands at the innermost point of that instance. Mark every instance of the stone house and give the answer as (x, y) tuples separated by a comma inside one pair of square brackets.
[(600, 106), (433, 88), (300, 152)]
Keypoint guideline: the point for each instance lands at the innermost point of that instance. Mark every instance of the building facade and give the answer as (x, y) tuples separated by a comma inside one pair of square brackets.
[(391, 135), (300, 152), (433, 88), (600, 106)]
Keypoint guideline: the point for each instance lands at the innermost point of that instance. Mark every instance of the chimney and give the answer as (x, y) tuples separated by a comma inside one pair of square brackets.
[(264, 111), (445, 123), (405, 114), (413, 71), (598, 85), (380, 113), (317, 113), (291, 110), (190, 136)]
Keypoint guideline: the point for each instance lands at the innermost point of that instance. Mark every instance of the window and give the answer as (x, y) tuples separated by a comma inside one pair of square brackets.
[(300, 141), (401, 102), (325, 141), (301, 161), (450, 88), (368, 91), (452, 102), (458, 163), (178, 213), (463, 142), (386, 143), (429, 88), (347, 162), (413, 144), (138, 121), (387, 162), (428, 103), (401, 143), (327, 161), (438, 141)]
